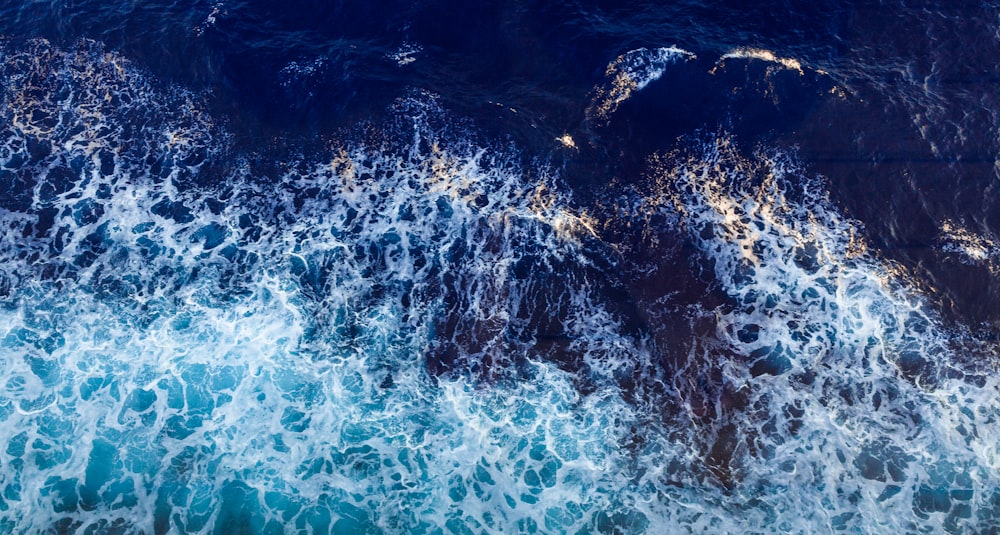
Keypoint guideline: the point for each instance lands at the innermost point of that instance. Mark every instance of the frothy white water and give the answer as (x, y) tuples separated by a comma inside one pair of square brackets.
[(629, 73), (762, 55), (856, 410), (183, 355), (191, 344), (971, 248)]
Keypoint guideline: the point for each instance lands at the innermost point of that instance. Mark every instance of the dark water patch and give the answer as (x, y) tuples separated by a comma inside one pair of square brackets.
[(885, 174), (754, 99), (912, 147), (161, 36)]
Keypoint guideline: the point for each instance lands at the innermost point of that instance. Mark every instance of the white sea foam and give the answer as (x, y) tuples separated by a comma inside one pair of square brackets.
[(211, 19), (629, 73), (859, 413), (406, 54), (190, 342), (763, 55), (184, 354), (970, 247)]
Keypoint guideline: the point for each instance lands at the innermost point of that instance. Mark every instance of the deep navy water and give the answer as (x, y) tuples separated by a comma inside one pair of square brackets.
[(499, 267)]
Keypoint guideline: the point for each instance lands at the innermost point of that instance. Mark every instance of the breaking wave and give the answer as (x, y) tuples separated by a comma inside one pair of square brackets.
[(417, 332)]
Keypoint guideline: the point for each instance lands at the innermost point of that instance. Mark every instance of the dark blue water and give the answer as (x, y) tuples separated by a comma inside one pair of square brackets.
[(498, 267)]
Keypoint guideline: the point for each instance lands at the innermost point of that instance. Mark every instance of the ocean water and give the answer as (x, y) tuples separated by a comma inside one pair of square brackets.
[(561, 267)]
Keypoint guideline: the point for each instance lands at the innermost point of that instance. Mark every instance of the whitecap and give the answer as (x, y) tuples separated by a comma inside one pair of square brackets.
[(763, 55), (971, 248), (629, 73), (849, 406)]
